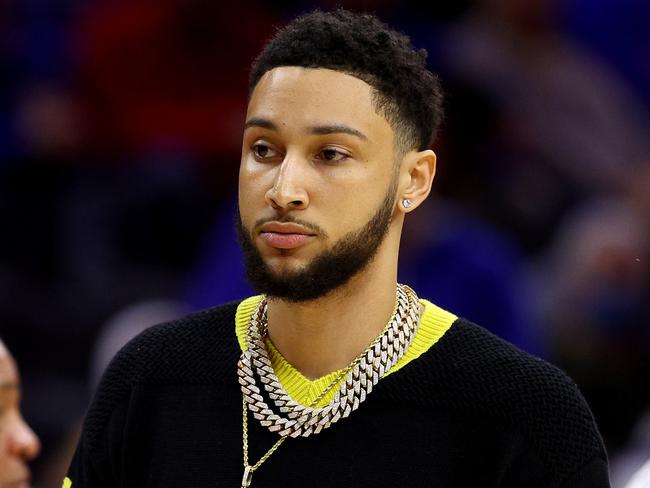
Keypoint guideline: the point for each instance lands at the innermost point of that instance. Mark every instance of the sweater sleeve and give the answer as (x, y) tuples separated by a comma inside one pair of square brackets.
[(97, 459), (159, 354), (527, 469), (594, 474), (560, 443)]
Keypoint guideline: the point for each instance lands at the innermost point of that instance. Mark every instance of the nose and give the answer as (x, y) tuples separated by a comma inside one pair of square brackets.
[(288, 191), (23, 442)]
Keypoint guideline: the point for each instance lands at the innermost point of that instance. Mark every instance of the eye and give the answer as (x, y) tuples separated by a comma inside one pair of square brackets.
[(262, 151), (332, 154)]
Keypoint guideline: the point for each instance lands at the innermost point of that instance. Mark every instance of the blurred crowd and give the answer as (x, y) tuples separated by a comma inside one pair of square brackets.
[(120, 128)]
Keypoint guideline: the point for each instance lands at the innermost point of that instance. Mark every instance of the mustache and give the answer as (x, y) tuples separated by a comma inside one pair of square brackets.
[(290, 219)]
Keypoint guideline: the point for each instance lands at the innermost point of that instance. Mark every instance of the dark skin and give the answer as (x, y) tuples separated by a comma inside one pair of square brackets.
[(18, 443)]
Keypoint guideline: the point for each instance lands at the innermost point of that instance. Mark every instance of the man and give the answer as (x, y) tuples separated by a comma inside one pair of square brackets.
[(18, 444), (336, 375)]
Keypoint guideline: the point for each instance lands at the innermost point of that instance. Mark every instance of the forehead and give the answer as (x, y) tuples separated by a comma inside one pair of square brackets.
[(291, 94)]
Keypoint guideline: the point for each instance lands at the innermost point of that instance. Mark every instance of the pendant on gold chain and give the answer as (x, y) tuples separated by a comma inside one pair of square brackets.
[(248, 477)]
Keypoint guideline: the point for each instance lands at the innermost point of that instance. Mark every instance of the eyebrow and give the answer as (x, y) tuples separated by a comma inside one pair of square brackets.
[(259, 122), (337, 129), (316, 130)]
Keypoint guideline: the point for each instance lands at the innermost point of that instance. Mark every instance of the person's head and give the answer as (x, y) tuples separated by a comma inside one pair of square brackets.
[(342, 111), (18, 443)]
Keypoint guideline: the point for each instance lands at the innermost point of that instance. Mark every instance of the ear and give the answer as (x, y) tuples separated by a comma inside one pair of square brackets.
[(416, 176)]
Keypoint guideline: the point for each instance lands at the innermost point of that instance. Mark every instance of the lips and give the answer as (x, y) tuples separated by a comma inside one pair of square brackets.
[(285, 235)]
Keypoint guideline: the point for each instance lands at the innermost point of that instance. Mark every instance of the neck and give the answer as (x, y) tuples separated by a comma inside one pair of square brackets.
[(327, 334)]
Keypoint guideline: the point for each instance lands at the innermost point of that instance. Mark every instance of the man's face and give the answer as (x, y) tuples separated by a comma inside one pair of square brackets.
[(18, 444), (317, 181)]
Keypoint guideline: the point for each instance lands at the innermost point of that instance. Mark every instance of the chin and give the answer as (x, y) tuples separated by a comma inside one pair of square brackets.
[(280, 267), (285, 260)]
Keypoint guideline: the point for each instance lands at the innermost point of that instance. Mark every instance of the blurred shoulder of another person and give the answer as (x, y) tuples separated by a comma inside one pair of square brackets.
[(641, 478)]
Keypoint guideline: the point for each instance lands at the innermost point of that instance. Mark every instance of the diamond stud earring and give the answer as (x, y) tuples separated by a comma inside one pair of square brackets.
[(406, 203)]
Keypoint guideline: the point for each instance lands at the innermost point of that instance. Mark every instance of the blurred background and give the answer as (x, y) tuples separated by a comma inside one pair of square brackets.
[(120, 128)]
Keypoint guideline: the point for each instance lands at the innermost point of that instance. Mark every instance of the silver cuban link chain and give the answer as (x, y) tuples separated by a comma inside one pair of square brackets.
[(360, 377)]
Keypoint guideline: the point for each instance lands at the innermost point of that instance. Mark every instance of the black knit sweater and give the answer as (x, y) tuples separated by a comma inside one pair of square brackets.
[(473, 411)]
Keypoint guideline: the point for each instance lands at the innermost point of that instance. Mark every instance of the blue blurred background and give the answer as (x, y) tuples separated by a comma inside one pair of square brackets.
[(120, 128)]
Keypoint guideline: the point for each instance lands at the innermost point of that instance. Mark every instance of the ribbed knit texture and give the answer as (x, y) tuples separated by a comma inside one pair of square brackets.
[(434, 322), (472, 410)]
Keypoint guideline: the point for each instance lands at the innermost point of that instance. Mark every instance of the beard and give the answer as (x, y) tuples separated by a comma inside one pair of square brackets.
[(327, 271)]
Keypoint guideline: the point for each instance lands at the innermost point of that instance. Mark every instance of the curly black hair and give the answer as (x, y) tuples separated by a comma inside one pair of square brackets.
[(359, 44)]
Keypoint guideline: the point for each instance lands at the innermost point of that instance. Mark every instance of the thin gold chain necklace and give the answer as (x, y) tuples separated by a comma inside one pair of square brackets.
[(250, 469)]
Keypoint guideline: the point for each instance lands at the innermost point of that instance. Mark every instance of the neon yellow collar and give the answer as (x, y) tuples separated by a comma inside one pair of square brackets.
[(433, 324)]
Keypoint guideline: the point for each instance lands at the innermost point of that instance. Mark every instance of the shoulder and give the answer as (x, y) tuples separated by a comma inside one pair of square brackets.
[(173, 350), (470, 358), (483, 362), (192, 349), (473, 371)]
